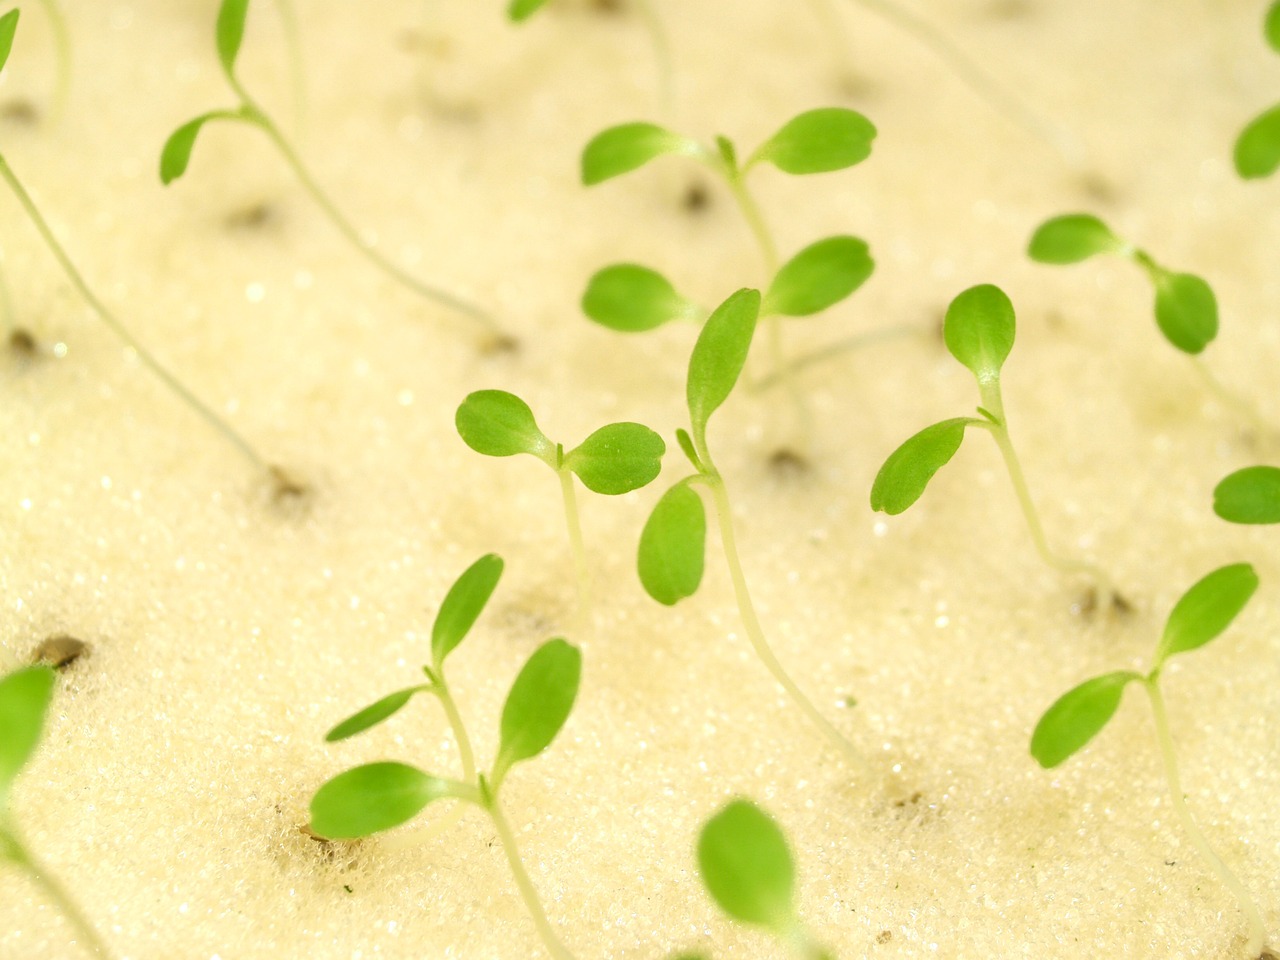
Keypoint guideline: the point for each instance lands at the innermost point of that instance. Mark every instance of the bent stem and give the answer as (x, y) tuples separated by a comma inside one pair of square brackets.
[(107, 317), (16, 852), (1257, 930), (573, 524), (848, 345)]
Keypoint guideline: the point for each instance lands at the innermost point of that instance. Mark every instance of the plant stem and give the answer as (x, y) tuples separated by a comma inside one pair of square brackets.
[(574, 525), (62, 49), (107, 317), (297, 76), (12, 846), (1232, 400), (465, 754), (847, 345), (1257, 930), (661, 51), (834, 34)]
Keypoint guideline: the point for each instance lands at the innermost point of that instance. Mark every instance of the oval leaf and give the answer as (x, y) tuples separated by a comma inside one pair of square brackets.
[(819, 276), (818, 141), (904, 476), (1186, 311), (500, 424), (176, 154), (630, 298), (673, 546), (230, 32), (24, 702), (463, 604), (622, 149), (1271, 26), (520, 10), (1251, 495), (539, 702), (979, 330), (1076, 717), (719, 355), (617, 458), (375, 797), (8, 27), (747, 868), (1207, 609), (1257, 150), (1072, 238), (371, 715)]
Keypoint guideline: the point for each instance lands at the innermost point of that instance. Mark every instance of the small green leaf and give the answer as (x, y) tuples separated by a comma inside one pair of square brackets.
[(719, 355), (1257, 150), (463, 604), (500, 424), (1077, 716), (539, 703), (371, 798), (630, 298), (520, 10), (819, 276), (1251, 495), (371, 715), (979, 330), (904, 476), (8, 27), (1206, 610), (1271, 26), (690, 451), (617, 458), (673, 546), (622, 149), (1186, 310), (818, 141), (230, 32), (176, 154), (24, 701), (747, 868), (1072, 238)]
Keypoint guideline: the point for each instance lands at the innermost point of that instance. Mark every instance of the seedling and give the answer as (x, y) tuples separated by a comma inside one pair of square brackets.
[(176, 155), (1203, 612), (379, 796), (1251, 495), (616, 459), (672, 548), (24, 703), (1257, 150), (979, 332), (284, 485)]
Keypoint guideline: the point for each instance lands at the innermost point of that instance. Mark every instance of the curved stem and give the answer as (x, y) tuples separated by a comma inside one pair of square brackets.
[(107, 317), (573, 524), (847, 345), (1257, 930), (661, 51), (466, 756), (62, 48), (11, 844), (297, 75), (1232, 400)]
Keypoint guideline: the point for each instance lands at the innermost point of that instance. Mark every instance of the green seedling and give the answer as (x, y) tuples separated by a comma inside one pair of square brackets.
[(1257, 150), (284, 485), (979, 331), (1251, 495), (176, 156), (616, 459), (672, 549), (380, 796), (24, 704), (1203, 612)]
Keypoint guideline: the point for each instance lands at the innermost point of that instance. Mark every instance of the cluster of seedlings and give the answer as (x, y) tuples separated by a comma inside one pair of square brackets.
[(743, 858)]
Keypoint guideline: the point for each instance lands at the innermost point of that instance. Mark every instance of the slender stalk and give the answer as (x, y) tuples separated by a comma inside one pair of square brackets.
[(847, 345), (297, 75), (465, 754), (1257, 930), (20, 856), (573, 524), (107, 317), (661, 51), (62, 50), (1232, 400)]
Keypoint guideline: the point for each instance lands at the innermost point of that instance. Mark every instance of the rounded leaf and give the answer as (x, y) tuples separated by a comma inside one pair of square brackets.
[(24, 701), (539, 702), (904, 476), (8, 27), (1072, 238), (1207, 609), (371, 715), (230, 32), (1251, 495), (520, 10), (1077, 716), (1186, 311), (673, 546), (617, 458), (1257, 150), (631, 299), (463, 604), (719, 356), (623, 148), (979, 329), (500, 424), (747, 868), (819, 276), (818, 141), (1271, 26), (375, 797)]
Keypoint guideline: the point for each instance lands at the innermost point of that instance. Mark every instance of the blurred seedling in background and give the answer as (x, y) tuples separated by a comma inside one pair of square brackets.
[(672, 548), (979, 331), (24, 704), (176, 155), (62, 54), (747, 868), (379, 796), (1203, 612), (1250, 496), (1186, 309), (616, 459), (21, 339), (1257, 150)]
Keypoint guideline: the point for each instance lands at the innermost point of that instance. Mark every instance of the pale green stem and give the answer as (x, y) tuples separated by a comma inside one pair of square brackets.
[(107, 317), (297, 75), (661, 51), (1257, 930), (831, 351), (466, 756), (62, 49), (1232, 400), (573, 524), (17, 853)]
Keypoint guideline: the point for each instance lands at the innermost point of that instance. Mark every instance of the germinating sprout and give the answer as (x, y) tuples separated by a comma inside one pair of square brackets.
[(176, 156), (379, 796), (1251, 495), (24, 704), (979, 331), (1203, 612), (1257, 149), (616, 459), (672, 549)]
